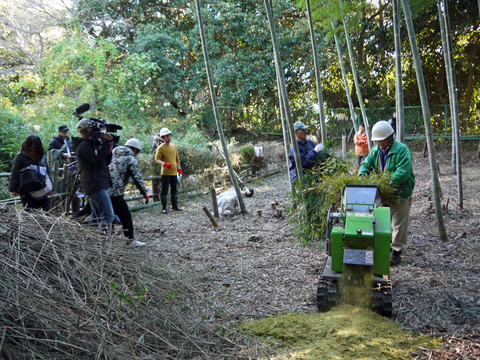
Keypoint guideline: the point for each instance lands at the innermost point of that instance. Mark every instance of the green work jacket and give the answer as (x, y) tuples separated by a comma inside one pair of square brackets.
[(399, 163)]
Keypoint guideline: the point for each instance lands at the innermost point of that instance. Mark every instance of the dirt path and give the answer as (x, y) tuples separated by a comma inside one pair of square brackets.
[(252, 266)]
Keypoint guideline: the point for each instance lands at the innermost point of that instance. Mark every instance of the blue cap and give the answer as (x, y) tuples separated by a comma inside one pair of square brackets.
[(300, 125)]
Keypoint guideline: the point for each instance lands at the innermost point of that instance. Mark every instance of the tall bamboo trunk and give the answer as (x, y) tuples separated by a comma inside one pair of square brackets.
[(426, 119), (355, 77), (345, 81), (454, 104), (286, 139), (398, 73), (317, 74), (283, 89), (213, 96)]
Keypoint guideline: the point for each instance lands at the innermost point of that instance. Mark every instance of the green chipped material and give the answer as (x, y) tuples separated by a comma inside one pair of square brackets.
[(345, 332)]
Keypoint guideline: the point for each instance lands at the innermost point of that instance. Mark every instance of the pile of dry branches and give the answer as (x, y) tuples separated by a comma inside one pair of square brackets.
[(67, 292)]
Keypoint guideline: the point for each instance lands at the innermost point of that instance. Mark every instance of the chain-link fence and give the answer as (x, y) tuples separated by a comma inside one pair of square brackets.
[(268, 121)]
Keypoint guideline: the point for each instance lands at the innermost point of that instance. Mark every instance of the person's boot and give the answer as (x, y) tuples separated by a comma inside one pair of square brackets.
[(164, 205), (395, 258), (175, 204)]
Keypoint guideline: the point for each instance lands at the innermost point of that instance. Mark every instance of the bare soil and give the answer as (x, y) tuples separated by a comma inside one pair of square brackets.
[(251, 266)]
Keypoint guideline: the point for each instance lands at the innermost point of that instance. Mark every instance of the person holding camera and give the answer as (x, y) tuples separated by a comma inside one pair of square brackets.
[(123, 166), (92, 151), (31, 158), (167, 156)]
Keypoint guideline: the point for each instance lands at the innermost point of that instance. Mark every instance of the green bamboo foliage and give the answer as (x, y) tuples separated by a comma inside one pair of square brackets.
[(398, 73), (284, 102), (213, 96), (426, 119), (355, 77), (345, 81), (317, 73), (322, 187)]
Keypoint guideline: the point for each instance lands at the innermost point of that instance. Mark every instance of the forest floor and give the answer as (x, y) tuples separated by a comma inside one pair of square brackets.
[(251, 266)]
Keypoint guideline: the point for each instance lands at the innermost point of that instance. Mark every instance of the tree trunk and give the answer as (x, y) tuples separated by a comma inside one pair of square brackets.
[(449, 82), (283, 89), (345, 82), (213, 96), (317, 74), (398, 73), (454, 106), (426, 119), (355, 77), (286, 139)]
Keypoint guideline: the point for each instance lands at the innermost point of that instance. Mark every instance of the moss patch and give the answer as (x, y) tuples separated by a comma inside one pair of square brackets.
[(345, 332)]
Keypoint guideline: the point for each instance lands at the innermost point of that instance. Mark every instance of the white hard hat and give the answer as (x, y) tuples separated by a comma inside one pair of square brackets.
[(164, 132), (134, 143), (381, 130)]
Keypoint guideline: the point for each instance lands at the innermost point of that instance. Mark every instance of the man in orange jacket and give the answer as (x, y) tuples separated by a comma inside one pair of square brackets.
[(361, 145)]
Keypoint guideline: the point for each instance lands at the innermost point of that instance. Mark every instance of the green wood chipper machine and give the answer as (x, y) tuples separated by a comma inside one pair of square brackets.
[(358, 240)]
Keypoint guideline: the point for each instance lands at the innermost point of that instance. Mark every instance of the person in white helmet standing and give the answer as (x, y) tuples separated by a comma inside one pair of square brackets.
[(123, 166), (167, 156), (396, 158)]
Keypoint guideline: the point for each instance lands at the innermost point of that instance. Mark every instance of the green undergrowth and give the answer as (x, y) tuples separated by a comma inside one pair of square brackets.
[(345, 332)]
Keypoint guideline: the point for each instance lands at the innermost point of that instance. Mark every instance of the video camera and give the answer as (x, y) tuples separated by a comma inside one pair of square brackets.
[(97, 124)]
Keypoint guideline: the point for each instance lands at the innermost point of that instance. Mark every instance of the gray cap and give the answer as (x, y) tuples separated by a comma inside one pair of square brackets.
[(300, 125), (83, 124)]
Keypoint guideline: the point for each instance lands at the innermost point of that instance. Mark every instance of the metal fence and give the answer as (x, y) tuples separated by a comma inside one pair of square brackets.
[(267, 120)]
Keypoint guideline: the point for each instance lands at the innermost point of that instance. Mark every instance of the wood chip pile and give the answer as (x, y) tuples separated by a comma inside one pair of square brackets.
[(67, 292)]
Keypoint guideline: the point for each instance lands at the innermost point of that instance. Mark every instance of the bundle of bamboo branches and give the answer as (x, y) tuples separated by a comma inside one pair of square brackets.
[(68, 292)]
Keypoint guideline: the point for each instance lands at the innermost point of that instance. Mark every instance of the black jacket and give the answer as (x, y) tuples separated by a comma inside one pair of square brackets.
[(57, 143), (92, 164), (22, 160)]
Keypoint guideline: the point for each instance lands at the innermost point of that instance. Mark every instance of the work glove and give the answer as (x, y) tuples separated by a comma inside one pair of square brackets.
[(180, 171), (319, 148), (146, 198), (167, 165)]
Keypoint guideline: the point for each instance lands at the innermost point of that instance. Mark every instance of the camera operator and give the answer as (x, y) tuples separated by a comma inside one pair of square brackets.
[(93, 150)]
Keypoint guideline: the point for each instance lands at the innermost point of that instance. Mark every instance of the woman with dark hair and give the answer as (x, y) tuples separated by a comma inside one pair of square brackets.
[(31, 156)]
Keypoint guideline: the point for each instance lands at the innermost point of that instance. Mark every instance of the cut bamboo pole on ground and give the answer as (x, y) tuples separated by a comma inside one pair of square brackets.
[(210, 216)]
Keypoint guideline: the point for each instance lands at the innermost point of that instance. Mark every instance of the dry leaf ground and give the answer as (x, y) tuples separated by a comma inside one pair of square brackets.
[(251, 266)]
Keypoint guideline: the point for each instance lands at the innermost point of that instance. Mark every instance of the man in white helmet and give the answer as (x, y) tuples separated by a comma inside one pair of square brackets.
[(123, 166), (167, 156), (396, 158)]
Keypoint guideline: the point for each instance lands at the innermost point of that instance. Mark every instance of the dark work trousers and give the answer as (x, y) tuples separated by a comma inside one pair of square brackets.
[(166, 181), (120, 208), (31, 203)]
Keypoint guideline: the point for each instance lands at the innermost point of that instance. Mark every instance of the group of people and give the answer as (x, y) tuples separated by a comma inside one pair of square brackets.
[(104, 169), (388, 155)]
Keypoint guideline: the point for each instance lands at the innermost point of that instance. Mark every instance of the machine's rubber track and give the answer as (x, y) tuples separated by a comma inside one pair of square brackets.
[(382, 299), (326, 294)]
